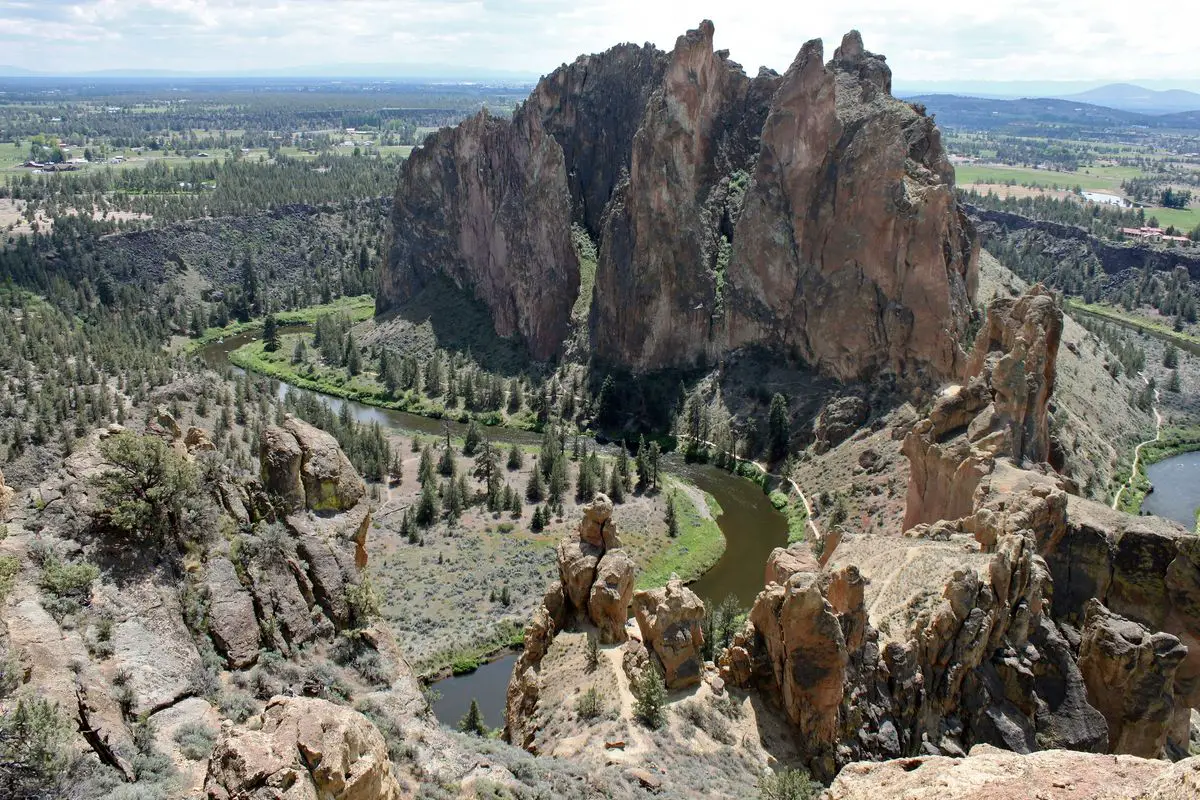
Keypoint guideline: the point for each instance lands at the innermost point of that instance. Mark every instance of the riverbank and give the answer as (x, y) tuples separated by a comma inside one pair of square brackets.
[(1117, 315), (1170, 442), (359, 309)]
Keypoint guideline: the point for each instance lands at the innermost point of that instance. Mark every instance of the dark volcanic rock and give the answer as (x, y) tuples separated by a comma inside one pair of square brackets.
[(486, 204)]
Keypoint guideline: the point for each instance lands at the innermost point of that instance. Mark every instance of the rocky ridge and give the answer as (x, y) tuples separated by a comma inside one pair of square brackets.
[(729, 211), (1022, 617)]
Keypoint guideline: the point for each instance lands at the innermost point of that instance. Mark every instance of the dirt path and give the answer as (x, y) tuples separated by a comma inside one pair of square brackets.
[(816, 532), (1137, 451)]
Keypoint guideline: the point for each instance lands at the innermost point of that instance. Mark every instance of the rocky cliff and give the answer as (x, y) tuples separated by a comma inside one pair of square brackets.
[(1011, 613), (486, 205), (730, 211)]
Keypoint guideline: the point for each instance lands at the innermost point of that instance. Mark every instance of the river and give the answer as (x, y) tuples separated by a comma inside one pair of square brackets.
[(1176, 494), (751, 526)]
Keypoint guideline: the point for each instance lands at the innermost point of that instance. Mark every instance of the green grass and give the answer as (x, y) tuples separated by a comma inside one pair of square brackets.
[(468, 658), (795, 513), (967, 174), (1120, 315), (699, 545), (359, 308), (1184, 219)]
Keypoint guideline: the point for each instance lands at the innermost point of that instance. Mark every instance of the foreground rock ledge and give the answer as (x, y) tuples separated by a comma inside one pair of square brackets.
[(989, 773)]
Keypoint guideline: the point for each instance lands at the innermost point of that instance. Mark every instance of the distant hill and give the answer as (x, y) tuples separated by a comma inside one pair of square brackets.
[(1130, 97), (1042, 116)]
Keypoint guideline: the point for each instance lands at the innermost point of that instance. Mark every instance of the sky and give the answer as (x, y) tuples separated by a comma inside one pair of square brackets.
[(924, 40)]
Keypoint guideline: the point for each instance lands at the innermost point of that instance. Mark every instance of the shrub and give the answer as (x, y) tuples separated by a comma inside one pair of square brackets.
[(238, 706), (195, 741), (152, 492), (34, 753), (9, 567), (67, 585), (593, 652), (709, 720), (589, 705), (650, 694), (788, 784)]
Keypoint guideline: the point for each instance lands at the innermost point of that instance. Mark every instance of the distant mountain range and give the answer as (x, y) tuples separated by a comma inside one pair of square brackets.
[(1129, 97), (423, 72), (1031, 116)]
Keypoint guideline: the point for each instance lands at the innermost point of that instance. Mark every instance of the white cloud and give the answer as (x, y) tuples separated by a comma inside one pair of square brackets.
[(924, 41)]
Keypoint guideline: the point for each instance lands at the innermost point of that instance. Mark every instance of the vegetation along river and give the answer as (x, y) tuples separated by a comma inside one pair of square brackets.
[(751, 526)]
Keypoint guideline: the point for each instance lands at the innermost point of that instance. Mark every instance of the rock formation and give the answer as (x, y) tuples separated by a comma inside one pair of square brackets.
[(595, 586), (811, 213), (851, 249), (1011, 613), (486, 205), (304, 466), (1002, 410), (1130, 675), (305, 748), (989, 773), (669, 619)]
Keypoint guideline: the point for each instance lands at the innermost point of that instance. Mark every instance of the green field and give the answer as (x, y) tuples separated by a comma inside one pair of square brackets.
[(967, 174), (699, 545)]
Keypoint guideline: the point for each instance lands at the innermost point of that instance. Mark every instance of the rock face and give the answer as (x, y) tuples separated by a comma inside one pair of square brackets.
[(486, 205), (1130, 675), (989, 773), (656, 298), (811, 213), (669, 618), (305, 468), (592, 108), (306, 748), (1001, 411), (851, 249)]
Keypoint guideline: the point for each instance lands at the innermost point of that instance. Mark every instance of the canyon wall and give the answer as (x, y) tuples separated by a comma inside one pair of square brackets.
[(811, 213)]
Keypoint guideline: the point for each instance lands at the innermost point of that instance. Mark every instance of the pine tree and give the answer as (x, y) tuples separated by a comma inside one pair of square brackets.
[(515, 506), (396, 469), (616, 487), (425, 468), (535, 489), (270, 334), (557, 485), (516, 459), (779, 429), (1173, 381), (1170, 357), (452, 501), (642, 463), (472, 723), (650, 695), (447, 466), (427, 505), (472, 439), (538, 523), (671, 518), (655, 457)]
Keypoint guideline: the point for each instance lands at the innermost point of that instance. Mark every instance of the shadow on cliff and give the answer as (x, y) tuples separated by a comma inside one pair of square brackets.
[(443, 316)]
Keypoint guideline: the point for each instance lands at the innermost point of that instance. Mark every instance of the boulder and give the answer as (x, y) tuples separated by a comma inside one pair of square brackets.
[(231, 620), (597, 527), (669, 619), (784, 562), (1130, 675), (197, 440), (330, 480), (306, 748), (577, 562), (608, 604), (306, 469), (838, 421)]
